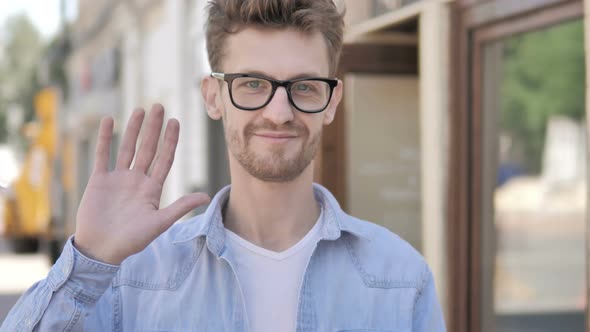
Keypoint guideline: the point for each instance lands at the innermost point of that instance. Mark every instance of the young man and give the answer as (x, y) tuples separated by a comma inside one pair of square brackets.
[(273, 252)]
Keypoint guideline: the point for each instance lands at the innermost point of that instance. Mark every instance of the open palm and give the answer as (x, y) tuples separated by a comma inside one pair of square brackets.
[(120, 214)]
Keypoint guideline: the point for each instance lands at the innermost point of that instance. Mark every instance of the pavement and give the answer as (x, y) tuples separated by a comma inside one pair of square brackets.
[(17, 274)]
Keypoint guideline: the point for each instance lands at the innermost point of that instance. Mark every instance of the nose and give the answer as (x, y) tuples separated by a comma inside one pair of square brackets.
[(279, 109)]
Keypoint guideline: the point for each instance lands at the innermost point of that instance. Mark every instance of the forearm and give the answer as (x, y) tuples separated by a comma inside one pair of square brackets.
[(60, 302)]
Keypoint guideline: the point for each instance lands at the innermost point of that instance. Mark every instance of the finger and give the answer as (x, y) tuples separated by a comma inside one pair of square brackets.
[(165, 157), (180, 207), (127, 148), (103, 145), (149, 142)]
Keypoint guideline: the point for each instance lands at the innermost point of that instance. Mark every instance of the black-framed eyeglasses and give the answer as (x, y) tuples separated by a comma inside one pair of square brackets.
[(250, 92)]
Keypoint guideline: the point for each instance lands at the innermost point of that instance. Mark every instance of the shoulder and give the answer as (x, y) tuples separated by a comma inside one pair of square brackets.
[(382, 257)]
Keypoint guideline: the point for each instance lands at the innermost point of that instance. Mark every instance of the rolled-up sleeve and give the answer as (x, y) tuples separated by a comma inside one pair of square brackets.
[(60, 301)]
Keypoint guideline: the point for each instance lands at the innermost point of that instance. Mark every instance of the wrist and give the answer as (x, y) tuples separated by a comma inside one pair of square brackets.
[(96, 255)]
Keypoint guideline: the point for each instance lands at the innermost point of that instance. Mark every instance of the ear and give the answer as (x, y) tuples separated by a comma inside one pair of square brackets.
[(330, 111), (210, 90)]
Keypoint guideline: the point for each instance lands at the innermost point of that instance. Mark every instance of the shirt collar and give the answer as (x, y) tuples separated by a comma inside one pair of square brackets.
[(210, 223)]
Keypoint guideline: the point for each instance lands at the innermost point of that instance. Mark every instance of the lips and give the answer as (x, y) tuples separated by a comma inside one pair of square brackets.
[(274, 135), (275, 138)]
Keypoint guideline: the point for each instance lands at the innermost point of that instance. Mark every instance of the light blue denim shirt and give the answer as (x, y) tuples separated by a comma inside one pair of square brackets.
[(361, 277)]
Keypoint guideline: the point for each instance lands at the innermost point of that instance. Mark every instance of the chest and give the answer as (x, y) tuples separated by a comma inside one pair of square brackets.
[(270, 283), (330, 296)]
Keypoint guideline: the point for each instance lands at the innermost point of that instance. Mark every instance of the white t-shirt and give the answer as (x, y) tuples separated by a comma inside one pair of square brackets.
[(271, 280)]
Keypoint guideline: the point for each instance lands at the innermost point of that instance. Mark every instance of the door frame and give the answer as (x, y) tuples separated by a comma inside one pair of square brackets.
[(478, 22)]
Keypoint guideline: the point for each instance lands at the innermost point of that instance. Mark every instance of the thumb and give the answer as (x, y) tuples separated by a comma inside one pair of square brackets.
[(182, 206)]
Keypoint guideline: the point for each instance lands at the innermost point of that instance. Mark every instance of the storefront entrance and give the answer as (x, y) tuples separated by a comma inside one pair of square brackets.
[(521, 133)]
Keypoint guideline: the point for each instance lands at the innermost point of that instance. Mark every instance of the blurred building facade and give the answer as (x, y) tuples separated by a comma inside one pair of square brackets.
[(128, 54), (464, 130), (446, 135)]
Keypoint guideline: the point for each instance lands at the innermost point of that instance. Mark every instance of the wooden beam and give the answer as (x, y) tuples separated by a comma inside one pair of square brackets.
[(385, 59), (490, 11), (385, 38), (385, 21)]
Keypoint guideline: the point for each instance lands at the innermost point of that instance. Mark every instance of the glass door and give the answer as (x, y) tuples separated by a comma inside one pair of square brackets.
[(532, 215)]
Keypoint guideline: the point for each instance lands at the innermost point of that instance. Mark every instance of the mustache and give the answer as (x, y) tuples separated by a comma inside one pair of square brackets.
[(292, 127)]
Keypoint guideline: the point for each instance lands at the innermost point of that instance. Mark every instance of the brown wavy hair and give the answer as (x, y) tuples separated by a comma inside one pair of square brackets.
[(231, 16)]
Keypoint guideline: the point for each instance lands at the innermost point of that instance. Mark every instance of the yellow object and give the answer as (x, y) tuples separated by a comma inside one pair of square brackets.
[(32, 210)]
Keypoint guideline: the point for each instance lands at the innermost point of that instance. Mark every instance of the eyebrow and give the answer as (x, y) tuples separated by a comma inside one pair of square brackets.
[(301, 75)]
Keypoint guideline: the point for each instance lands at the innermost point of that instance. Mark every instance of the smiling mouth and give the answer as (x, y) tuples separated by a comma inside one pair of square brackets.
[(276, 137)]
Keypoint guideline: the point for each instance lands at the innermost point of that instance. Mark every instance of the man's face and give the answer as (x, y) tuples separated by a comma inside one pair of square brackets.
[(275, 143)]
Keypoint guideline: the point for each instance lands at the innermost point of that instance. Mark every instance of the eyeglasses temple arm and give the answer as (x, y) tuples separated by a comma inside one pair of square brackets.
[(218, 76)]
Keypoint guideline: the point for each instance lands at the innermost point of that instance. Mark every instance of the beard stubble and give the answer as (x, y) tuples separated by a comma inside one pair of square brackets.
[(274, 165)]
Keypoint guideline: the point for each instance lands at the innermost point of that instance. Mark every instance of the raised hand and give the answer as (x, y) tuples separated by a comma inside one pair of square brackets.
[(120, 214)]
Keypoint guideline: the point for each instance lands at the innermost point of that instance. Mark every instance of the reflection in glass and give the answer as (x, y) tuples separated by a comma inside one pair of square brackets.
[(534, 183)]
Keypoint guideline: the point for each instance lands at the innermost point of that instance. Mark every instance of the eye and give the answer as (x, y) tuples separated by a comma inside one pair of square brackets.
[(254, 84), (303, 87)]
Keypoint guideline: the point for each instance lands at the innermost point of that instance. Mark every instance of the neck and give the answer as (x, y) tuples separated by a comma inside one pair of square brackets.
[(271, 215)]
